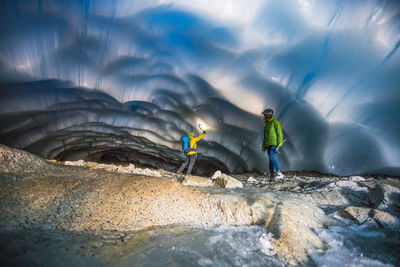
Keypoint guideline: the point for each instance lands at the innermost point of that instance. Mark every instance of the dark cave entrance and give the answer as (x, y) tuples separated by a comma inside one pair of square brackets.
[(204, 166)]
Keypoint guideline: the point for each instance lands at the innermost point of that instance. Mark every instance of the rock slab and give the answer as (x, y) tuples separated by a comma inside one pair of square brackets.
[(193, 180), (358, 214), (227, 181)]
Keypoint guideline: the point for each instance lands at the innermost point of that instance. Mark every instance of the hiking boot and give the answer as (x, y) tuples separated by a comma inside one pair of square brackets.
[(279, 175), (271, 177)]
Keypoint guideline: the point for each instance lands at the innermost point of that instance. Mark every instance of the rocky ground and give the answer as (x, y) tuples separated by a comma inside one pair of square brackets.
[(101, 199)]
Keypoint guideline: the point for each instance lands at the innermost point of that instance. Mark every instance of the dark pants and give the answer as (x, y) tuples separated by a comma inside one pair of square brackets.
[(191, 160), (273, 162)]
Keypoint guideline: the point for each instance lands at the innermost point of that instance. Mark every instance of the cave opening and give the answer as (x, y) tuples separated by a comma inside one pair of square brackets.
[(204, 166)]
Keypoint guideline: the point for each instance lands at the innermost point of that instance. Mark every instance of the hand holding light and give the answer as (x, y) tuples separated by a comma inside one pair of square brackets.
[(203, 127)]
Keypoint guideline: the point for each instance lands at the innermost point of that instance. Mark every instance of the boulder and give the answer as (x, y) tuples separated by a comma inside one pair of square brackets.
[(354, 194), (18, 163), (227, 181), (356, 178), (216, 175), (358, 214), (193, 180), (292, 224), (339, 193), (386, 220), (386, 197)]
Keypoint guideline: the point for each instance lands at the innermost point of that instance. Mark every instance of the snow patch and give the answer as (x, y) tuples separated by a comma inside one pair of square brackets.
[(356, 178), (348, 185), (251, 180), (110, 167), (216, 175)]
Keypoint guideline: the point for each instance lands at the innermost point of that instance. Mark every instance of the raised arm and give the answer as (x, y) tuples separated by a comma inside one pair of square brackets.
[(198, 138)]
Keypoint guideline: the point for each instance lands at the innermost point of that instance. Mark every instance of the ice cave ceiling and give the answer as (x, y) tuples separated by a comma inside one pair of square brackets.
[(122, 80)]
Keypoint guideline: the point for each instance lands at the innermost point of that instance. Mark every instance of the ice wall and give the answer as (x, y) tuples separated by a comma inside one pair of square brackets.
[(125, 79)]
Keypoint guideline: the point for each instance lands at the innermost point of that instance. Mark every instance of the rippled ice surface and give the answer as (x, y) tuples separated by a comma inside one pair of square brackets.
[(358, 245), (166, 246), (350, 245), (221, 246)]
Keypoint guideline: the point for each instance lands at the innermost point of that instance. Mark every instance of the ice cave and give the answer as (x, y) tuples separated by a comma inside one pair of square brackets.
[(123, 80), (120, 81)]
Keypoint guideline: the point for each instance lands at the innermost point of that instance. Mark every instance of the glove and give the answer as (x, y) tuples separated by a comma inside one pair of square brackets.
[(277, 149), (204, 132)]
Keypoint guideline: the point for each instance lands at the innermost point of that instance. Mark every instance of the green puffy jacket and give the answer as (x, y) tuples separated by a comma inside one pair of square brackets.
[(272, 133)]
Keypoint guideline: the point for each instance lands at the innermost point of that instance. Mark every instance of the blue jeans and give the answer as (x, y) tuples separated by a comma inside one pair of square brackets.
[(273, 162)]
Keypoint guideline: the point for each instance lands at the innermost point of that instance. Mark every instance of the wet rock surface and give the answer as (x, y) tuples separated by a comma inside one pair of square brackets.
[(192, 180), (16, 164), (358, 214), (101, 199), (227, 181), (111, 201), (357, 198)]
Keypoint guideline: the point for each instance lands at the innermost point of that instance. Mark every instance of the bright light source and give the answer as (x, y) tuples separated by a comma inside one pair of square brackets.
[(203, 126)]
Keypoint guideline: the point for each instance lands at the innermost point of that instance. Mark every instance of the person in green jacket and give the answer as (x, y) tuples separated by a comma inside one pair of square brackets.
[(273, 139)]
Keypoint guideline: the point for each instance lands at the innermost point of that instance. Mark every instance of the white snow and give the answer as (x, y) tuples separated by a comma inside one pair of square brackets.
[(357, 178), (251, 180), (216, 175), (266, 244), (110, 167)]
